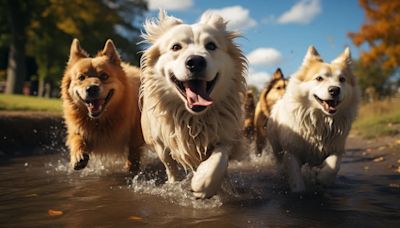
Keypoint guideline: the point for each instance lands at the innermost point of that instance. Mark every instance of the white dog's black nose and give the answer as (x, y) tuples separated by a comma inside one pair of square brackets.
[(196, 63), (334, 91), (93, 91)]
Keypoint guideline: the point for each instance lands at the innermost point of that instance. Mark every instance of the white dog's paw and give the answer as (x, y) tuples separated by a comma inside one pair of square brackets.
[(208, 177), (326, 176)]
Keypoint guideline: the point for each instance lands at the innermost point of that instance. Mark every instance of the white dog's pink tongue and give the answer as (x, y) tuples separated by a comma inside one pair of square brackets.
[(196, 93)]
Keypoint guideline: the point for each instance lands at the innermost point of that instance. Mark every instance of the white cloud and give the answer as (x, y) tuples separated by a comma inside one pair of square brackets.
[(257, 78), (302, 12), (170, 4), (265, 56), (238, 17)]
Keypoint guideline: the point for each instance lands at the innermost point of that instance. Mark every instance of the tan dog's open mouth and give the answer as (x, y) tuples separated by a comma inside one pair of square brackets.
[(330, 106), (196, 92), (96, 107)]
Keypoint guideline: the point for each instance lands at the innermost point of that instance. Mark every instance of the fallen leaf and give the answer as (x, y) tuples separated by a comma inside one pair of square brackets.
[(366, 167), (382, 148), (398, 161), (135, 218), (55, 212), (398, 169), (398, 141), (394, 185), (379, 159)]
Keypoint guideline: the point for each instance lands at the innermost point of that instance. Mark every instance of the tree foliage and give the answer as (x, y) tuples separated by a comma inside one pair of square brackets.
[(381, 31), (52, 24)]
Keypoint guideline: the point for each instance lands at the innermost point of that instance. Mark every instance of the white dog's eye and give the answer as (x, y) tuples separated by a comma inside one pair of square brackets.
[(211, 46), (342, 79), (176, 47), (319, 79)]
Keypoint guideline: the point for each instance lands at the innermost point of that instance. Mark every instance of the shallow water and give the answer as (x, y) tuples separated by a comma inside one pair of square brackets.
[(254, 195)]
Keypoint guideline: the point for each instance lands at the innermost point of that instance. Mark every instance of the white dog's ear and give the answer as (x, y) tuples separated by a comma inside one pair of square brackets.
[(111, 52), (312, 55), (156, 27), (76, 52), (213, 19), (343, 59)]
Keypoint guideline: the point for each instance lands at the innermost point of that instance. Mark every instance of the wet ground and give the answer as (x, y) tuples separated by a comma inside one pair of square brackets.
[(42, 191)]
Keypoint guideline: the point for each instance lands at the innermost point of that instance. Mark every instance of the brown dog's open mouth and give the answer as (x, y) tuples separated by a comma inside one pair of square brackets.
[(96, 107), (196, 92), (330, 106)]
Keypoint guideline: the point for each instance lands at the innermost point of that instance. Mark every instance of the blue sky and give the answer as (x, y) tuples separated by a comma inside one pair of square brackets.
[(277, 33)]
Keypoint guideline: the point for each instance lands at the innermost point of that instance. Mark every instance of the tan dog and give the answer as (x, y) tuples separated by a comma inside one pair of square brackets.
[(308, 127), (249, 108), (268, 97), (100, 100), (192, 93)]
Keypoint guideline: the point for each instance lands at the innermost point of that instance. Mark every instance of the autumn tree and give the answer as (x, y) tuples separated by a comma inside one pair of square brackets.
[(381, 31), (52, 25)]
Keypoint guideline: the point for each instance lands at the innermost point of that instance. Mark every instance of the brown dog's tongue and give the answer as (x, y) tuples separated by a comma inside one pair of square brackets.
[(196, 93)]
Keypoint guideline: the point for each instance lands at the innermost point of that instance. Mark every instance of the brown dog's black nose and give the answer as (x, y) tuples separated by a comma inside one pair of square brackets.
[(334, 91), (93, 91), (196, 63)]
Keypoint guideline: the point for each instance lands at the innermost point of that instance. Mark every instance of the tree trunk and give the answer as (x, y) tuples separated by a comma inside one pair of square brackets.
[(16, 70)]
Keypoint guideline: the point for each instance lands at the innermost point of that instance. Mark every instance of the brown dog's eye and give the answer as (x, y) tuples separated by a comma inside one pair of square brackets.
[(342, 79), (278, 88), (211, 46), (103, 76), (176, 47), (81, 77), (319, 78)]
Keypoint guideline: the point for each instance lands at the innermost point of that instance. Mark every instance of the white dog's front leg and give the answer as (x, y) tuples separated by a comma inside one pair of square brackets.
[(329, 169), (208, 177), (295, 177)]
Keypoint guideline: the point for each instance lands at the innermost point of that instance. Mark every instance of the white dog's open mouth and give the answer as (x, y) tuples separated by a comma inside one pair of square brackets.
[(196, 92), (330, 106), (96, 107)]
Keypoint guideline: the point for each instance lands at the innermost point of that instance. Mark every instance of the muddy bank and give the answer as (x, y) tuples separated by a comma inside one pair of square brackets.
[(29, 133)]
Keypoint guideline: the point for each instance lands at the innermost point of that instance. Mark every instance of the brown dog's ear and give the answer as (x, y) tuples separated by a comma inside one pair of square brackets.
[(111, 52), (278, 74), (343, 59), (76, 52), (312, 55), (156, 27)]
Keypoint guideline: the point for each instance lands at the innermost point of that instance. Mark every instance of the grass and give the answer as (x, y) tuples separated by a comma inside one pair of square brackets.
[(29, 103), (379, 118)]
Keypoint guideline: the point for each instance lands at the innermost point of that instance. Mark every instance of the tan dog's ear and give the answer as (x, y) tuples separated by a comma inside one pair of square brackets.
[(278, 74), (156, 27), (312, 55), (214, 20), (111, 52), (343, 59), (76, 52)]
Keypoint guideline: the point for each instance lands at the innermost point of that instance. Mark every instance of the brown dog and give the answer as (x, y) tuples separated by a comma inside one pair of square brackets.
[(268, 97), (249, 108), (100, 101)]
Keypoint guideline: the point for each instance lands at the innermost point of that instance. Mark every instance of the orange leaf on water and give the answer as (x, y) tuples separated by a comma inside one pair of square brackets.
[(135, 218), (379, 159), (55, 212)]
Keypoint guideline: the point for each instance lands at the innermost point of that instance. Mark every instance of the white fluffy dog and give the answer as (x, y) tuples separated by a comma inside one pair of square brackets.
[(308, 127), (191, 94)]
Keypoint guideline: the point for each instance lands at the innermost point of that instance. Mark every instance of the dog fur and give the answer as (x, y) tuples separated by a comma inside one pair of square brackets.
[(272, 92), (106, 119), (308, 127), (249, 108), (200, 138)]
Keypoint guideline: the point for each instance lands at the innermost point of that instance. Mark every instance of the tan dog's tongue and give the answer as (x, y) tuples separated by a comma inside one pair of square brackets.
[(196, 93)]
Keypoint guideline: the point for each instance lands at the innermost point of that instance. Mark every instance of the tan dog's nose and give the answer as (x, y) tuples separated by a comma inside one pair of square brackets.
[(93, 91), (334, 91)]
